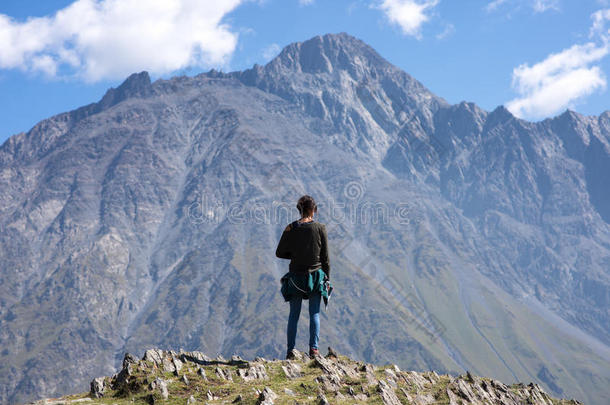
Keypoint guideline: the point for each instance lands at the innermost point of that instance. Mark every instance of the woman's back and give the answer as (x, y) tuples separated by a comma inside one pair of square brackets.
[(306, 245)]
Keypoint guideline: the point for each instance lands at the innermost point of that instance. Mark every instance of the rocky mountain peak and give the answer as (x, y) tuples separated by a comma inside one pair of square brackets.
[(136, 85), (573, 129), (570, 115), (500, 115), (350, 88), (328, 55), (604, 121), (330, 52)]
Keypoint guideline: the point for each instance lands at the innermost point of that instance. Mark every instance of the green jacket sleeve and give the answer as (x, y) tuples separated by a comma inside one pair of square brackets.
[(324, 251)]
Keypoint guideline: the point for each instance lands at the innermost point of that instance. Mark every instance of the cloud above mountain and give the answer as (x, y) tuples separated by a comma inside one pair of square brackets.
[(409, 15), (562, 78), (107, 39)]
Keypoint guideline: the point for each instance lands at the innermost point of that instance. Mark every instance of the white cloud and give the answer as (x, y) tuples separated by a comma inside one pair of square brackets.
[(410, 15), (599, 27), (565, 77), (305, 2), (539, 6), (494, 5), (271, 51), (448, 31), (99, 39), (558, 81)]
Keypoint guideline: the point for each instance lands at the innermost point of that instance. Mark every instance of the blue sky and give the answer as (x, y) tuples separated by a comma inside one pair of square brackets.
[(538, 57)]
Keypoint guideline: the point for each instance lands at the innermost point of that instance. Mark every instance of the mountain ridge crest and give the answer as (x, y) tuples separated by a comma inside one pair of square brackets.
[(166, 375)]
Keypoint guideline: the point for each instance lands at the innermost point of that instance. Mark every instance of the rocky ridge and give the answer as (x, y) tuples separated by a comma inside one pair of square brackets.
[(166, 376)]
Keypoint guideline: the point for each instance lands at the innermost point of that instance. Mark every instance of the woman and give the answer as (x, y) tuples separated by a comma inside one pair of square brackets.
[(305, 243)]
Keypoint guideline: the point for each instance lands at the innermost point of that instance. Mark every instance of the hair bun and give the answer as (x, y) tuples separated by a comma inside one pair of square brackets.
[(306, 205)]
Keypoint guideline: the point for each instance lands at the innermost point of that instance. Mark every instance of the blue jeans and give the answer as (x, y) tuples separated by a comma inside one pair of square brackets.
[(314, 320)]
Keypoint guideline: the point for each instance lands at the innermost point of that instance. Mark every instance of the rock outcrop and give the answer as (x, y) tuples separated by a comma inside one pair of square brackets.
[(324, 380)]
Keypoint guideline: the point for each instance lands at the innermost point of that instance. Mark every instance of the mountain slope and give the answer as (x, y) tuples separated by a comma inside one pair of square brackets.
[(469, 240)]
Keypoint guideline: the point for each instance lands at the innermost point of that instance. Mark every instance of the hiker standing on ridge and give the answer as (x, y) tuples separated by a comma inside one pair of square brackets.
[(305, 243)]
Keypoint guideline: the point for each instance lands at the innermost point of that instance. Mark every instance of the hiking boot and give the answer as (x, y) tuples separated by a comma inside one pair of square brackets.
[(291, 355), (313, 352)]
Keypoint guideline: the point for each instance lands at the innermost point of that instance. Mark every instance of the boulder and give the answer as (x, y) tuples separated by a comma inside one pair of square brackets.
[(292, 370), (388, 396), (160, 385), (154, 355), (223, 374), (266, 397), (257, 372), (332, 353), (98, 387), (297, 355)]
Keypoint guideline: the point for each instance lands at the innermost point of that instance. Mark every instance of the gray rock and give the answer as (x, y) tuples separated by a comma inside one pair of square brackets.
[(98, 387), (195, 357), (167, 364), (297, 355), (370, 375), (325, 364), (329, 382), (266, 397), (414, 379), (122, 377), (154, 355), (388, 396), (409, 397), (332, 353), (349, 370), (292, 370), (256, 372), (177, 365), (210, 396), (322, 400), (160, 385), (223, 373), (129, 359)]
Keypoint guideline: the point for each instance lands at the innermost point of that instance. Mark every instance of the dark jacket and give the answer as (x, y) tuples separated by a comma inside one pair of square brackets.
[(306, 245)]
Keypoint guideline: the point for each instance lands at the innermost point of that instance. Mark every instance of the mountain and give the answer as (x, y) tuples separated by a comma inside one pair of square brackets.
[(460, 239), (193, 377)]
